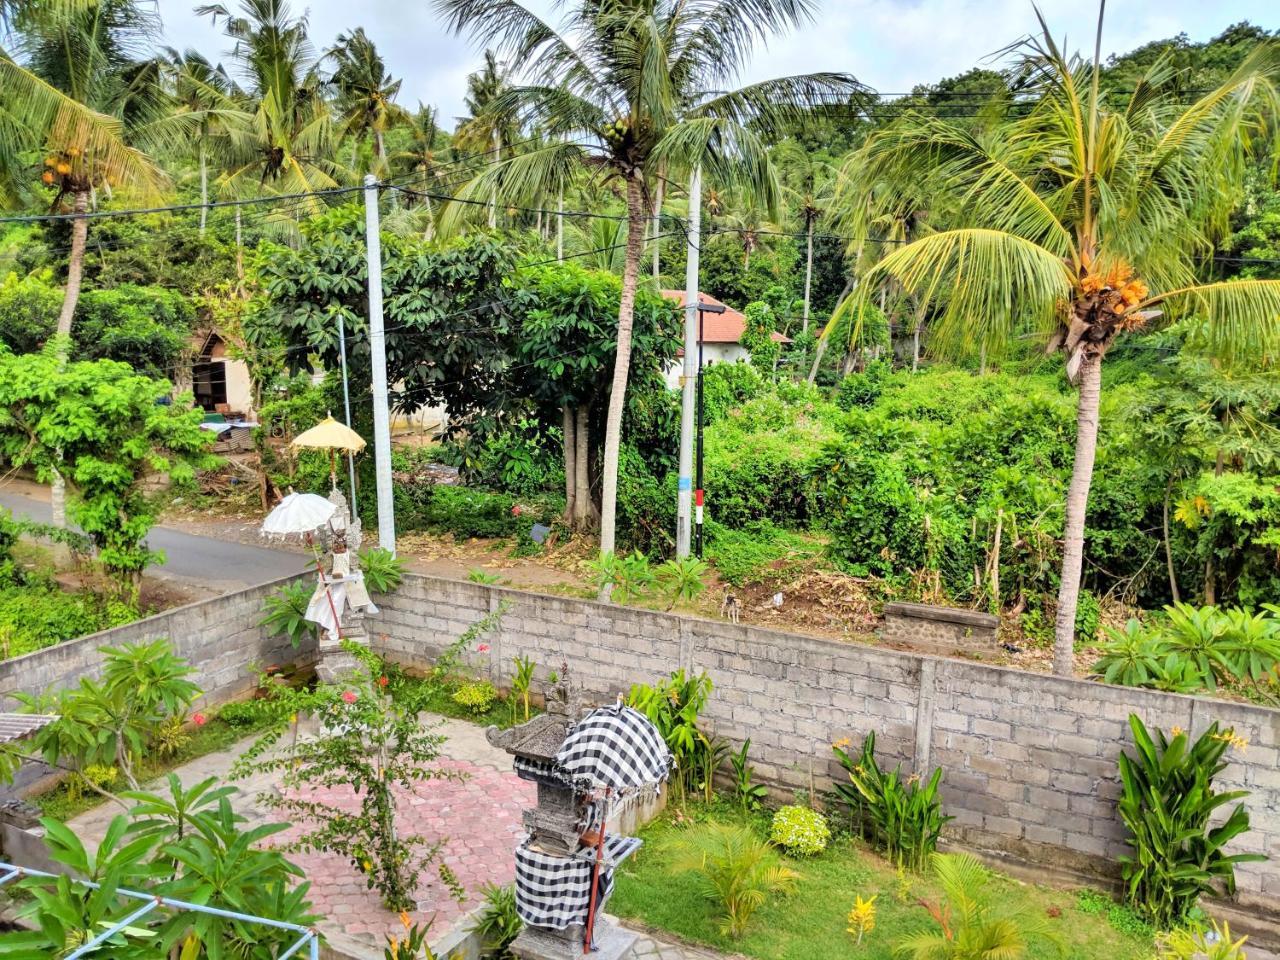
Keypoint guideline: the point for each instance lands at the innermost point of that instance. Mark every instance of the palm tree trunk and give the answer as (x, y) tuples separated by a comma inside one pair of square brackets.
[(621, 365), (570, 467), (493, 191), (808, 274), (585, 515), (817, 359), (1077, 503), (915, 348), (75, 272), (560, 222), (204, 189), (657, 225), (239, 256), (1168, 547)]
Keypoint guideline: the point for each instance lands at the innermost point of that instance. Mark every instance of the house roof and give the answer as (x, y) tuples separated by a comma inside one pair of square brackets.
[(724, 327)]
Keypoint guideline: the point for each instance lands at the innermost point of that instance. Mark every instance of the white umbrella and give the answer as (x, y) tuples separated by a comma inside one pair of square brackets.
[(298, 515), (303, 514)]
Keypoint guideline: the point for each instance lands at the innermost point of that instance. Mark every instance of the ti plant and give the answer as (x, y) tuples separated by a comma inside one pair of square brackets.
[(383, 570), (520, 683), (1167, 803), (681, 580), (901, 816), (748, 794)]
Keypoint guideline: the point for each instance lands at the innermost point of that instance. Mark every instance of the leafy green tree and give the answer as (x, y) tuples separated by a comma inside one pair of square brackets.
[(565, 341), (1081, 222), (629, 88), (111, 432)]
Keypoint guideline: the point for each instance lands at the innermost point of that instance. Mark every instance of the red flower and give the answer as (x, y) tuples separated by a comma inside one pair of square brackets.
[(348, 696), (516, 510), (483, 648), (383, 681), (199, 719)]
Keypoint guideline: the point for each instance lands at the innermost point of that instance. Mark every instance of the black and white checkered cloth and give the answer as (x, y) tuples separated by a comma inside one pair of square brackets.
[(615, 748), (555, 891)]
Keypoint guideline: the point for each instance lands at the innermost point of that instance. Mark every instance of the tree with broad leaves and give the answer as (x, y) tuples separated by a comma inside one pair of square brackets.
[(1081, 222), (632, 87)]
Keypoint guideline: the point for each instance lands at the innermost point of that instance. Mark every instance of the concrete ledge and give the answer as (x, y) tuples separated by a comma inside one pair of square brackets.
[(957, 615)]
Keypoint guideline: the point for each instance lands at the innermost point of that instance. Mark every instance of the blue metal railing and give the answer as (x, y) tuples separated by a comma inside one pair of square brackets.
[(308, 936)]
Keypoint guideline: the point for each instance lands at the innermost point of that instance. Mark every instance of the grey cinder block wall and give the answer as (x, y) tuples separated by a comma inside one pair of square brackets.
[(1029, 760), (220, 638)]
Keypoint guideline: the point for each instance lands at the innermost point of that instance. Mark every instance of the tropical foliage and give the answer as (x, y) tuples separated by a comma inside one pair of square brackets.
[(1168, 805)]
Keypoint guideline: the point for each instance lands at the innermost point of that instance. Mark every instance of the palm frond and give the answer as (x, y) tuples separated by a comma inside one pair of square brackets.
[(983, 286), (1241, 318)]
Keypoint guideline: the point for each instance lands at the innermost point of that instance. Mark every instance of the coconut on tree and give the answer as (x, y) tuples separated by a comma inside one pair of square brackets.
[(630, 88), (1081, 222)]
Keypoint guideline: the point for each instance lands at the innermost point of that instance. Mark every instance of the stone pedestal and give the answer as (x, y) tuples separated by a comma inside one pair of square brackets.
[(334, 664), (542, 943)]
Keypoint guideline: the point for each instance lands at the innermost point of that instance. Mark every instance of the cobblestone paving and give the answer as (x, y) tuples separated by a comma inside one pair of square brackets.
[(649, 949)]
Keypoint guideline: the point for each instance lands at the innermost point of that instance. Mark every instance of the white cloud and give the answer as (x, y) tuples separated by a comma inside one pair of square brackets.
[(891, 45)]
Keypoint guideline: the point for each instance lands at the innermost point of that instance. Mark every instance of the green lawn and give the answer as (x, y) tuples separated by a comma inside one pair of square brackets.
[(809, 924)]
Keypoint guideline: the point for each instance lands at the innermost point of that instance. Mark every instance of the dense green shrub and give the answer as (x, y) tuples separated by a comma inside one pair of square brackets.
[(800, 831), (863, 388), (727, 386), (523, 458), (466, 512), (34, 616), (758, 551)]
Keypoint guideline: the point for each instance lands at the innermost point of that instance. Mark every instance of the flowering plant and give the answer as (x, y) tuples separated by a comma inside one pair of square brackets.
[(381, 747)]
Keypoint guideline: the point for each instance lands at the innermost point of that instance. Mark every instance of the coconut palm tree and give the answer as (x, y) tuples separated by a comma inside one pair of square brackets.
[(489, 129), (366, 93), (288, 144), (206, 94), (1082, 223), (809, 183), (630, 87), (79, 88)]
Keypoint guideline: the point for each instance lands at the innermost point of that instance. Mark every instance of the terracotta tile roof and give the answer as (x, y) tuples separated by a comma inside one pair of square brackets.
[(724, 327)]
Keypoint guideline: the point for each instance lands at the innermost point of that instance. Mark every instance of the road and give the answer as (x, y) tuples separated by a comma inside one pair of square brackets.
[(216, 565)]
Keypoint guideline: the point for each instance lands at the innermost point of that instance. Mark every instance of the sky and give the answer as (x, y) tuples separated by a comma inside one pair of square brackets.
[(890, 45)]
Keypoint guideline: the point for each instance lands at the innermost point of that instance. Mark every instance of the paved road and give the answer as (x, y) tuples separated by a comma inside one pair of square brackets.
[(213, 564)]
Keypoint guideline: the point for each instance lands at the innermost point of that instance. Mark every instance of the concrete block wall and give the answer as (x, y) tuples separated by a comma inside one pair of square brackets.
[(1029, 760), (220, 637)]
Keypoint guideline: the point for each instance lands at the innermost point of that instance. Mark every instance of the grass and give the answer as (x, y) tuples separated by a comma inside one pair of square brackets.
[(809, 924), (62, 803), (438, 698)]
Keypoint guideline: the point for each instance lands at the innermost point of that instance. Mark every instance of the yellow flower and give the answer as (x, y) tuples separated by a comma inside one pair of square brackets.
[(1177, 731), (862, 918), (842, 743), (1232, 739), (294, 718), (405, 919), (367, 866)]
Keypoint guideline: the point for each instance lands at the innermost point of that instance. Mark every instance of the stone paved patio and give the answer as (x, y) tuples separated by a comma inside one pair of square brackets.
[(479, 816)]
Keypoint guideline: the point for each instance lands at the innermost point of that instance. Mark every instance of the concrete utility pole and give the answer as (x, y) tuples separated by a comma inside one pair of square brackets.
[(378, 351), (684, 493), (346, 409)]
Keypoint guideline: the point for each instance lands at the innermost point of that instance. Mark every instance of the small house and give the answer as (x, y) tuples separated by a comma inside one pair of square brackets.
[(721, 340)]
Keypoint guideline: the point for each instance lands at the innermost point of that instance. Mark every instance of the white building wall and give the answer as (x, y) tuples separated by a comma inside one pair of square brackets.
[(712, 353)]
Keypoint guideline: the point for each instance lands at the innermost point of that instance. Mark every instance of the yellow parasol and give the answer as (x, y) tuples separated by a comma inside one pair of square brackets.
[(330, 435)]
